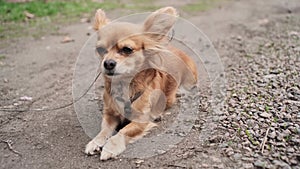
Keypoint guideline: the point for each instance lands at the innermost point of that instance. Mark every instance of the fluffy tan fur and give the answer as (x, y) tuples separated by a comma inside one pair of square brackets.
[(115, 36)]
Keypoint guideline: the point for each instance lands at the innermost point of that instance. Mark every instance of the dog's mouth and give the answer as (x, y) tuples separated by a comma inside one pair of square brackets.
[(111, 73)]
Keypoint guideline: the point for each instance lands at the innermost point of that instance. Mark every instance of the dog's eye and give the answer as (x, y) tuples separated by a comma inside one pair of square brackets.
[(101, 51), (126, 50)]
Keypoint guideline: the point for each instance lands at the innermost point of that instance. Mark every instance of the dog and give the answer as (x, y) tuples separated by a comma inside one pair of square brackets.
[(141, 52)]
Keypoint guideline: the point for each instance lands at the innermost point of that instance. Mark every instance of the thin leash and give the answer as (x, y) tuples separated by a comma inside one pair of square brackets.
[(55, 108), (172, 35)]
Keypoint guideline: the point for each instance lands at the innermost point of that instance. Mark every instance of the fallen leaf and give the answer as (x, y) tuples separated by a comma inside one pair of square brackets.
[(25, 98), (85, 20), (265, 115), (294, 33), (67, 39), (263, 21), (28, 15), (139, 161)]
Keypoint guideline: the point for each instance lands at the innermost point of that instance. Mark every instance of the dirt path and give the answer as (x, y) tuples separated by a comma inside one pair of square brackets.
[(245, 34)]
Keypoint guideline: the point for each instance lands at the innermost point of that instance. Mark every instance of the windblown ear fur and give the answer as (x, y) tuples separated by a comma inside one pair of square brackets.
[(158, 24), (100, 19)]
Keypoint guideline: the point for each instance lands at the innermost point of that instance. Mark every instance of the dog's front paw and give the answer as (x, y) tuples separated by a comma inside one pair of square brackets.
[(92, 148), (114, 146)]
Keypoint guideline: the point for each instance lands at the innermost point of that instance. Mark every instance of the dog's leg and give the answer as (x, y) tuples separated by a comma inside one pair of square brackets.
[(117, 143), (146, 106), (108, 126)]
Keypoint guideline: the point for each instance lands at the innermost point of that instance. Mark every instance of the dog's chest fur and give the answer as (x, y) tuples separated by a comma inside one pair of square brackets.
[(145, 81)]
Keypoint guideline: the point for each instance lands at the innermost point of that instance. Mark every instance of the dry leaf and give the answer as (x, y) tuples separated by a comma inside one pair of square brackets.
[(67, 39), (25, 98), (139, 161), (263, 21), (29, 15), (85, 20)]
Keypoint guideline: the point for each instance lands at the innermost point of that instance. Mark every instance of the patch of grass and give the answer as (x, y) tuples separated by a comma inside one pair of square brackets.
[(201, 5), (49, 14), (141, 5), (259, 97), (246, 114), (248, 56), (14, 12), (267, 108), (288, 138), (250, 137), (285, 126), (14, 23), (269, 147), (2, 57), (239, 131)]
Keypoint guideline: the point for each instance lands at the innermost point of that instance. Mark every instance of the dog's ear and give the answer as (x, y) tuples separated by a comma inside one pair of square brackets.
[(158, 24), (100, 19)]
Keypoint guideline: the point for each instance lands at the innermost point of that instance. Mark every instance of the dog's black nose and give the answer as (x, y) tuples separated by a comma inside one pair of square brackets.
[(110, 64)]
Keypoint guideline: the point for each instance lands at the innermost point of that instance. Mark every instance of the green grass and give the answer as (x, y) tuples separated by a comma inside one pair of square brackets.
[(201, 5), (250, 137), (2, 57), (49, 15), (275, 119), (14, 12), (287, 138), (239, 131), (141, 5), (267, 108)]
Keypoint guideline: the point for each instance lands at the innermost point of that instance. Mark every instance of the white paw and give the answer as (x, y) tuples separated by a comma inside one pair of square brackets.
[(105, 155), (92, 147), (114, 146)]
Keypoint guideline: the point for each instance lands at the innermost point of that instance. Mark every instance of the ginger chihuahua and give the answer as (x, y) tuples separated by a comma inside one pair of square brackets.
[(128, 49)]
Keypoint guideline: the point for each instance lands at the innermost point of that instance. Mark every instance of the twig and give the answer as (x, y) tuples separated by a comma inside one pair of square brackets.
[(262, 146), (9, 145), (176, 166), (291, 101)]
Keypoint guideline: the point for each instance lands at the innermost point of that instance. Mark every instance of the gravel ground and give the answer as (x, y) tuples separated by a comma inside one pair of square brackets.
[(261, 120)]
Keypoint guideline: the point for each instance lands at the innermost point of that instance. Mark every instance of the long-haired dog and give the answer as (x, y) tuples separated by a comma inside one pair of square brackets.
[(141, 52)]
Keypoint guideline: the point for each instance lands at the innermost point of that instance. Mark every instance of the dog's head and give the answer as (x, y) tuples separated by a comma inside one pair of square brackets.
[(122, 45)]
